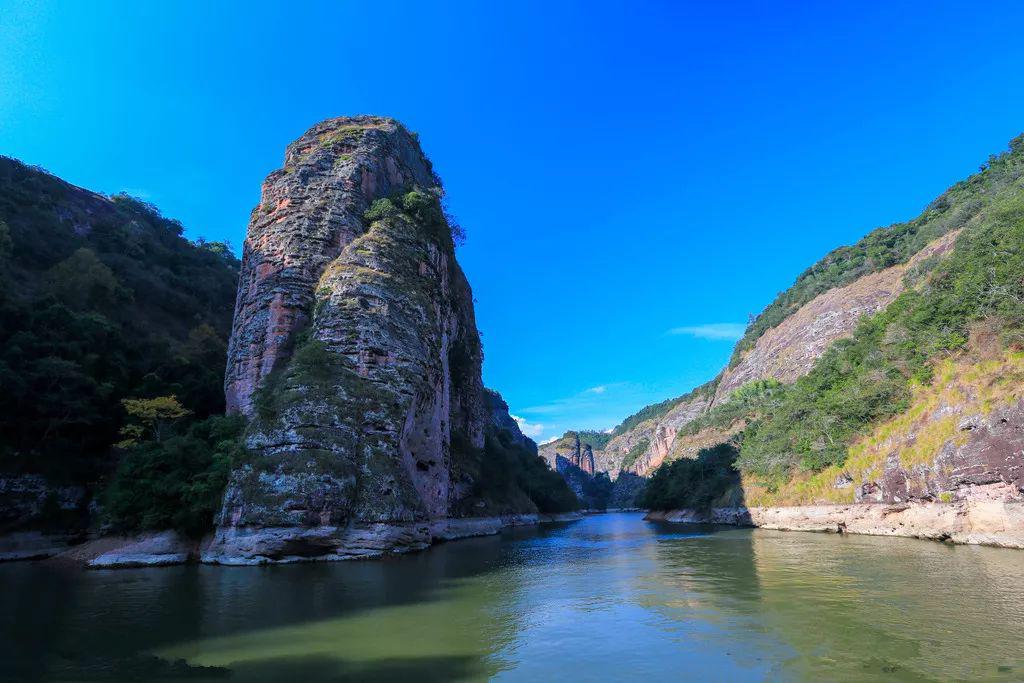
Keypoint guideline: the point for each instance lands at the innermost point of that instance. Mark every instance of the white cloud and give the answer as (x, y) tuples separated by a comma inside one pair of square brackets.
[(530, 429), (712, 331), (597, 390)]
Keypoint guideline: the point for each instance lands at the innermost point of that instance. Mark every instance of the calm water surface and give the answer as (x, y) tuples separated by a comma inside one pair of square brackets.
[(611, 597)]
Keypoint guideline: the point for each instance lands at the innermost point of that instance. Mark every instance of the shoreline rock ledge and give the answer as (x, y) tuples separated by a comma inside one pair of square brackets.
[(355, 355), (976, 522)]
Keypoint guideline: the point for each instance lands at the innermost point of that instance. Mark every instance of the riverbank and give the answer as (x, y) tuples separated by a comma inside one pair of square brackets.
[(992, 523), (241, 546)]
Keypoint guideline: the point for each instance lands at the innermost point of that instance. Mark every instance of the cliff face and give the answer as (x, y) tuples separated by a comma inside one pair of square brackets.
[(501, 421), (643, 448), (310, 211), (354, 351), (789, 350)]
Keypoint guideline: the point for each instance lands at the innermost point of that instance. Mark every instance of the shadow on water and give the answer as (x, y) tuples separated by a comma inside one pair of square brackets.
[(55, 615), (150, 668), (610, 597)]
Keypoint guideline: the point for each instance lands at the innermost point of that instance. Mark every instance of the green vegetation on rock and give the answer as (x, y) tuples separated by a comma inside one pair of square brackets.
[(638, 449), (859, 382), (505, 472), (658, 410), (175, 482)]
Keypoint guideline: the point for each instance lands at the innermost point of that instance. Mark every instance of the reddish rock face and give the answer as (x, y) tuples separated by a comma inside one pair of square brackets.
[(587, 460), (308, 212), (988, 465), (354, 350)]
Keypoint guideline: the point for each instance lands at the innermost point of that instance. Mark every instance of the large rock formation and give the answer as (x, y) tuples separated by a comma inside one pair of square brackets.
[(502, 421), (309, 212), (356, 355), (586, 460)]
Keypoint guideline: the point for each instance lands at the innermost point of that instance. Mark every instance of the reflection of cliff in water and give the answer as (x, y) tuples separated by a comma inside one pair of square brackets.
[(879, 608)]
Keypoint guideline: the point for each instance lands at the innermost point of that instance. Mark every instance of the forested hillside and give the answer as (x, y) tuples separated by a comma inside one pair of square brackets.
[(102, 301), (964, 306)]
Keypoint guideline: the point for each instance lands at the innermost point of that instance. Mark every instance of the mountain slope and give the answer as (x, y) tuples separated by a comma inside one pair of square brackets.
[(858, 337)]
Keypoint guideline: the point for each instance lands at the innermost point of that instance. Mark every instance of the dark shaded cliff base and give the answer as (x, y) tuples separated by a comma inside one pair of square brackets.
[(978, 522)]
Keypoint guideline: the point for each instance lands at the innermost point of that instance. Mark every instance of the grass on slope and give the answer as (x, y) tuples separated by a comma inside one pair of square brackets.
[(971, 386)]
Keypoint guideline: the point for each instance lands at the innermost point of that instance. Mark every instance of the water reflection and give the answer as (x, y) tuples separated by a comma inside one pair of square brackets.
[(608, 598)]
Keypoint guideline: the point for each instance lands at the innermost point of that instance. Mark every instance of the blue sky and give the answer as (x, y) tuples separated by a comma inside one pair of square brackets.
[(635, 178)]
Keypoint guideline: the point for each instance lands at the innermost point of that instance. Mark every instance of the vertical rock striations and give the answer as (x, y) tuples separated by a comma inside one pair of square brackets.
[(355, 354), (309, 212)]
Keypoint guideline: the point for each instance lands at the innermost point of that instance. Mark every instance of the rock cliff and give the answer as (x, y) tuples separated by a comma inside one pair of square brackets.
[(355, 353)]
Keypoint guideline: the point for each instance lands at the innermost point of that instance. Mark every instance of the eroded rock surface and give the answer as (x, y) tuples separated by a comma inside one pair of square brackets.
[(995, 523), (356, 355), (788, 351), (651, 441)]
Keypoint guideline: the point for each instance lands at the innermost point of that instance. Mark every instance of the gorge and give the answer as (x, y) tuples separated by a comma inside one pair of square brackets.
[(880, 394)]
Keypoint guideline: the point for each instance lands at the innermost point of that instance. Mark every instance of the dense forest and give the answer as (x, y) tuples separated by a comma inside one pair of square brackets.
[(113, 332)]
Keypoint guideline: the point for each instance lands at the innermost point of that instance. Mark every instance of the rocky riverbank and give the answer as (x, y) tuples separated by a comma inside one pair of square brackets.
[(980, 522), (262, 545)]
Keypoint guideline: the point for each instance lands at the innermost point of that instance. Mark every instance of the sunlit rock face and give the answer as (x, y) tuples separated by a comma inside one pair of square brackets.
[(354, 350), (309, 212), (789, 350)]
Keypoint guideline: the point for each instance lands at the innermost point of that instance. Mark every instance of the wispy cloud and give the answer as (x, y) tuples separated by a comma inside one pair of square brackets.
[(600, 389), (530, 429), (712, 331)]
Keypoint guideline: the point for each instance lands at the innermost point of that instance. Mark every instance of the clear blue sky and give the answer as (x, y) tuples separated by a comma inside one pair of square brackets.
[(622, 169)]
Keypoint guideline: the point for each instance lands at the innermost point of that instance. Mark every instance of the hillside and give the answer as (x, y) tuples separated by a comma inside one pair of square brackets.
[(102, 299), (840, 378)]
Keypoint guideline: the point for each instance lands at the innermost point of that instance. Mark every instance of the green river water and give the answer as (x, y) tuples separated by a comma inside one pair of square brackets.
[(610, 597)]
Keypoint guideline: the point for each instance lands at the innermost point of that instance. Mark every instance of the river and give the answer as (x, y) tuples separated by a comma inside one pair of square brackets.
[(610, 597)]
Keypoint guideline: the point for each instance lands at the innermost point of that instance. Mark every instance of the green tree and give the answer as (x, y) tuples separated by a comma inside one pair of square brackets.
[(150, 417)]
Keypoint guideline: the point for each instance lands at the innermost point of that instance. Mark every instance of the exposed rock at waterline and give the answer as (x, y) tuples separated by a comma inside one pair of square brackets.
[(995, 523)]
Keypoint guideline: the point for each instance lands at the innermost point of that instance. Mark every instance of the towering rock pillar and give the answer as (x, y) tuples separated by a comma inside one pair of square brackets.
[(309, 211), (354, 352), (575, 456), (587, 460)]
